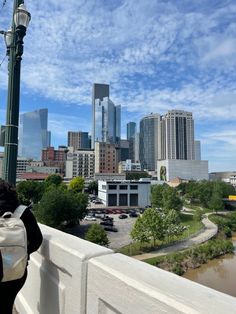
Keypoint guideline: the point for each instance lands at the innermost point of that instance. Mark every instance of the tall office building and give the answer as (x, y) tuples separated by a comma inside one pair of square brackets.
[(136, 148), (33, 134), (177, 140), (197, 148), (149, 143), (131, 130), (78, 140), (106, 116)]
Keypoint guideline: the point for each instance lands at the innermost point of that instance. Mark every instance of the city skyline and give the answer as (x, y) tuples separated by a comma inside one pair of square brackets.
[(181, 56)]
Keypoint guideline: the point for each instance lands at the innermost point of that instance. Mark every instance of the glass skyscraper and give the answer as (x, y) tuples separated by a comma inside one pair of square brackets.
[(33, 134), (106, 116), (149, 141), (131, 130)]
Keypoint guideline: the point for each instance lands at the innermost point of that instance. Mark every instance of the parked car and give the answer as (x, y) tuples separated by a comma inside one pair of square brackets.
[(123, 216), (133, 214), (107, 218), (109, 228), (98, 202), (90, 218), (106, 223)]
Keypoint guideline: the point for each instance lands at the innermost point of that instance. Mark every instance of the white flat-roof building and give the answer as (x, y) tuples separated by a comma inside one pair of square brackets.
[(185, 169), (128, 165), (125, 192)]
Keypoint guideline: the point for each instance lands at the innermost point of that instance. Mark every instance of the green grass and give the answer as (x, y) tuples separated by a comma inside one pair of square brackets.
[(187, 220)]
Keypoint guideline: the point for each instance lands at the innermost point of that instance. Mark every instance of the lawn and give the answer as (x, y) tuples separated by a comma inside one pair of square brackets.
[(193, 226)]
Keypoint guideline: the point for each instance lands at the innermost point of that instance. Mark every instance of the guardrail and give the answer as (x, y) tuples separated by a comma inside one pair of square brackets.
[(69, 275)]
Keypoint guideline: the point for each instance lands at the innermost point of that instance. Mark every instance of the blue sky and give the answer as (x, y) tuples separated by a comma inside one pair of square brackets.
[(156, 55)]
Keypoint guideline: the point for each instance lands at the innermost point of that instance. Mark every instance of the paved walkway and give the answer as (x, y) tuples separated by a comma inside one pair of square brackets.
[(209, 231)]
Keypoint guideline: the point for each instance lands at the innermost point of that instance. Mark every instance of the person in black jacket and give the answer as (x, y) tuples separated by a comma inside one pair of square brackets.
[(8, 203)]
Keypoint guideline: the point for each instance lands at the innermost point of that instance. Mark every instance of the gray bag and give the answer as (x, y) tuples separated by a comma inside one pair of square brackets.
[(13, 244)]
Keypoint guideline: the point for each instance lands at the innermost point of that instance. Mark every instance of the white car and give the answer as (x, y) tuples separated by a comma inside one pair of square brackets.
[(90, 218)]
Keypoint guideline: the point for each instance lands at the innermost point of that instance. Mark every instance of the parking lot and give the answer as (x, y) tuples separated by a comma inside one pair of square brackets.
[(120, 238)]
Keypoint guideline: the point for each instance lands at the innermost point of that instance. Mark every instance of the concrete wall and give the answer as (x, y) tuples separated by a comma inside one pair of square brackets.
[(184, 169), (69, 275)]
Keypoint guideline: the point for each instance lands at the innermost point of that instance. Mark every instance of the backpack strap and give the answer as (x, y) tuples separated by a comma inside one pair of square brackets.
[(19, 211)]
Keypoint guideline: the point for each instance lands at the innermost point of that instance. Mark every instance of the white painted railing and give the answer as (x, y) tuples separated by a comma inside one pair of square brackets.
[(69, 275)]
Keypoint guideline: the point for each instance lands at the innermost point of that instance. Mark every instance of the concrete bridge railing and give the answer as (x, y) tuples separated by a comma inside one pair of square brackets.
[(69, 275)]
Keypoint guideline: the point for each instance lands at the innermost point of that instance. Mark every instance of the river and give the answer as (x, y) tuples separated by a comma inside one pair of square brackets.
[(218, 274)]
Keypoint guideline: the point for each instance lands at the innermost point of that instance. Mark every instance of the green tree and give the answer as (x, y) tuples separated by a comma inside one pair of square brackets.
[(97, 234), (58, 206), (157, 196), (77, 184), (172, 224), (93, 187), (53, 180), (148, 227), (30, 191), (171, 200), (136, 175), (216, 203)]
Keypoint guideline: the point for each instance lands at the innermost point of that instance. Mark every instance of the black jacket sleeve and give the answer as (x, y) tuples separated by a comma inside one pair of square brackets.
[(34, 235)]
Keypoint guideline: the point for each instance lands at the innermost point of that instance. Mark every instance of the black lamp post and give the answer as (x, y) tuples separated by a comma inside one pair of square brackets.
[(14, 43)]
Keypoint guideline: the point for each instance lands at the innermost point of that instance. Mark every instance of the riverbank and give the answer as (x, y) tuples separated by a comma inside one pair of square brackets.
[(198, 255), (209, 231)]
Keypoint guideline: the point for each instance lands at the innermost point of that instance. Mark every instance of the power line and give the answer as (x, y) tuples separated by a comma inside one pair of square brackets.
[(3, 60)]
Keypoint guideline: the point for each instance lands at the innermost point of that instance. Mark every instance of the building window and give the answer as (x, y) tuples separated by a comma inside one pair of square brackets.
[(123, 200), (133, 200), (133, 187), (123, 187), (112, 187), (112, 200)]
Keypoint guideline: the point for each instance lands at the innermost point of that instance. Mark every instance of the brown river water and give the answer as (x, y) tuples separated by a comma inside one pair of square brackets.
[(219, 274)]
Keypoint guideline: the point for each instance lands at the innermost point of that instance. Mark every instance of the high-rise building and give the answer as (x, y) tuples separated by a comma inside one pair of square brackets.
[(33, 134), (131, 130), (149, 144), (106, 116), (78, 140), (136, 148), (124, 152), (177, 139), (197, 148), (106, 159)]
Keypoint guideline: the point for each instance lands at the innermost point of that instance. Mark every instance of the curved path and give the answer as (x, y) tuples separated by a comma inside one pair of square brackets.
[(209, 231)]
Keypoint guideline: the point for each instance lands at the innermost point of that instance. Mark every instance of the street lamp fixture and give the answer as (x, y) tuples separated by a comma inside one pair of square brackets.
[(22, 16), (14, 44)]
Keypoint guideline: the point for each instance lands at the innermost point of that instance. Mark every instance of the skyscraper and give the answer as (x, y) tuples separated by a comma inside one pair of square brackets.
[(78, 140), (33, 134), (197, 147), (106, 116), (131, 130), (177, 140), (149, 141)]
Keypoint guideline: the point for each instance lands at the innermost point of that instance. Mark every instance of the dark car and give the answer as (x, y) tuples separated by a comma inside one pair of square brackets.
[(107, 218), (110, 228), (123, 216), (106, 223), (133, 214)]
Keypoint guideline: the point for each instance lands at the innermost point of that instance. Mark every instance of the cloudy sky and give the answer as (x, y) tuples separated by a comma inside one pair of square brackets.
[(156, 55)]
